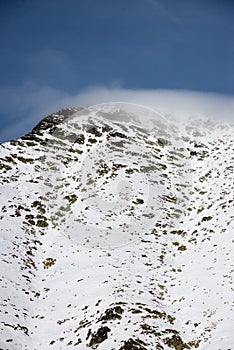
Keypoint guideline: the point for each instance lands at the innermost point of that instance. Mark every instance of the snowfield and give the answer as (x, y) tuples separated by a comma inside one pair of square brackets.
[(116, 231)]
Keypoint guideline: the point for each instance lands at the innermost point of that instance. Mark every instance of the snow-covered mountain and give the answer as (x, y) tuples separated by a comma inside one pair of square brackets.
[(116, 231)]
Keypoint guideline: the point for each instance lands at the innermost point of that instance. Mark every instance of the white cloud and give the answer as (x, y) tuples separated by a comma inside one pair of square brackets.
[(174, 102), (34, 102)]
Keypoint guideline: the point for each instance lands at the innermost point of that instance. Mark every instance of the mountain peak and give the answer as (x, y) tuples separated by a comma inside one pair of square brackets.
[(116, 232), (50, 122)]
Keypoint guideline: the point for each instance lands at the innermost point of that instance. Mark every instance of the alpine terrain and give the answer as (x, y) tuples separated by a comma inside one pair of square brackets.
[(116, 231)]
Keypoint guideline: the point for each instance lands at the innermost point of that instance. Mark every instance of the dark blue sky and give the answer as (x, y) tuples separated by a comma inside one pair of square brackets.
[(65, 46)]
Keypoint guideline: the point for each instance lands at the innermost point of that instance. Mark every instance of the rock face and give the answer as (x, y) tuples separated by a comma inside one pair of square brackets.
[(117, 233)]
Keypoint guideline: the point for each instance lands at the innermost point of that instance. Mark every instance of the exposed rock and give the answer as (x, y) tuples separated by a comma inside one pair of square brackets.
[(99, 336)]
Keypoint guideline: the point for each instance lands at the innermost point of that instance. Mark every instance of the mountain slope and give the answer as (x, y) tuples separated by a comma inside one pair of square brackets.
[(117, 232)]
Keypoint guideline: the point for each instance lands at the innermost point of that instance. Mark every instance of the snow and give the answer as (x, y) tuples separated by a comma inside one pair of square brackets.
[(165, 268)]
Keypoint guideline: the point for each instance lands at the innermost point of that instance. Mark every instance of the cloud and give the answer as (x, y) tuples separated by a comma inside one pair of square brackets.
[(177, 103), (22, 107), (31, 102)]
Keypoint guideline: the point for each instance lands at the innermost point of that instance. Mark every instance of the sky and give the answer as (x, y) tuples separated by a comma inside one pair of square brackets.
[(54, 52)]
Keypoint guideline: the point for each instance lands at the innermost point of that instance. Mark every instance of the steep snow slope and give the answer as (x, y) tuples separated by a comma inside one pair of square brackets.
[(117, 233)]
